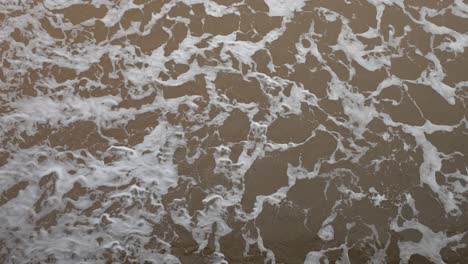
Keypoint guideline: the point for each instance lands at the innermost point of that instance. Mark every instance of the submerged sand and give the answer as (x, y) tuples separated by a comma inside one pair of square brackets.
[(233, 131)]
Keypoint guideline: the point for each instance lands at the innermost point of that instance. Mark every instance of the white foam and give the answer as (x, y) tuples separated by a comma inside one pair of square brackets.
[(284, 8), (326, 233)]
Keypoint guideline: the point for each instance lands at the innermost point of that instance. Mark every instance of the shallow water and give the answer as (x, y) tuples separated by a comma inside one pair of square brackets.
[(233, 131)]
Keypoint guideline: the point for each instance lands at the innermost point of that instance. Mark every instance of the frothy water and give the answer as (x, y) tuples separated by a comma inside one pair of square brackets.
[(233, 131)]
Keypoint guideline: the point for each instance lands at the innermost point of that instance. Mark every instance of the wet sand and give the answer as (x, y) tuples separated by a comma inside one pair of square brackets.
[(233, 131)]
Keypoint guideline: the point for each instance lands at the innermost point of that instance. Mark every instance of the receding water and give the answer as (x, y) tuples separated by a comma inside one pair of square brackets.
[(233, 131)]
